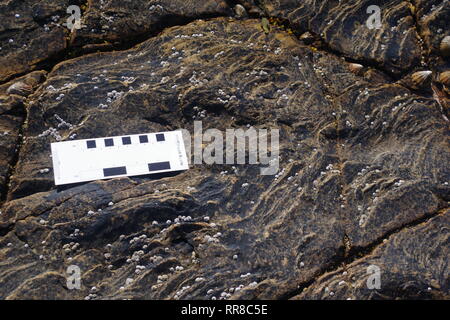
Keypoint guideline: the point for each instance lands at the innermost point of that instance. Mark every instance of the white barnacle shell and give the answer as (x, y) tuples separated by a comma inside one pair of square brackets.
[(445, 46), (355, 68), (240, 11), (421, 78), (20, 88)]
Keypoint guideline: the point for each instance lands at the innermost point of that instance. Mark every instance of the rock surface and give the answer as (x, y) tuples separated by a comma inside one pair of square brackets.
[(363, 180), (31, 33)]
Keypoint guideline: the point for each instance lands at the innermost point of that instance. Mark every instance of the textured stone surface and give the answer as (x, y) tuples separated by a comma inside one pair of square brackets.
[(33, 32), (394, 46), (414, 262), (30, 33), (12, 111), (363, 169), (118, 21), (431, 19), (10, 122)]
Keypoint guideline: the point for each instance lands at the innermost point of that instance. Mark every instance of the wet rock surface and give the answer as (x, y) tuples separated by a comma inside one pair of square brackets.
[(34, 33), (394, 45), (415, 264), (10, 124), (31, 33), (363, 178)]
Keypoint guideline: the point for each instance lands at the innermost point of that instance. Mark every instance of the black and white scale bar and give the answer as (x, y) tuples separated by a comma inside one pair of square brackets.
[(103, 158), (117, 171), (158, 166)]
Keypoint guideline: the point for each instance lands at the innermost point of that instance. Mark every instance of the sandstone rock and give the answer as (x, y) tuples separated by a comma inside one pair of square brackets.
[(119, 21), (363, 174), (35, 32), (394, 46), (11, 119), (31, 33), (412, 264)]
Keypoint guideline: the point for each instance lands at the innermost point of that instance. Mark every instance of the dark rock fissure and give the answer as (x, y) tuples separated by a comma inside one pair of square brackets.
[(15, 159), (357, 253)]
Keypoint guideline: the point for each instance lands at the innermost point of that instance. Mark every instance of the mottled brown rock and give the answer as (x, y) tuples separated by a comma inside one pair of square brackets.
[(120, 21), (432, 17), (31, 80), (11, 119), (394, 46), (30, 33), (12, 116), (35, 33), (413, 264), (362, 159)]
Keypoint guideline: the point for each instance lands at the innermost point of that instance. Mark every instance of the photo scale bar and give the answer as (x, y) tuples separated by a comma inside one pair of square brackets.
[(157, 166), (109, 157), (108, 172)]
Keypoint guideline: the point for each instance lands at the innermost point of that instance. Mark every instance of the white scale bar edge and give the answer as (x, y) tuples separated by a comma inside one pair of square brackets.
[(74, 161)]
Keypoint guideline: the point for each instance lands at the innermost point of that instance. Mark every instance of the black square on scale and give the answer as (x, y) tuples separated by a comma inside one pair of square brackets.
[(126, 140), (160, 137), (91, 144), (143, 139), (109, 142)]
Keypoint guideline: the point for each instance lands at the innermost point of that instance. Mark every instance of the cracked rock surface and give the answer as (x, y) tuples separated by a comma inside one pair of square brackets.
[(363, 180)]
